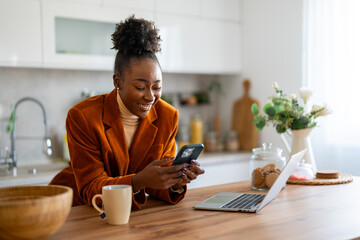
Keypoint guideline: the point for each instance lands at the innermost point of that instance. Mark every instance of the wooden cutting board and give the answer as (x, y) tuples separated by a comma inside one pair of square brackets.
[(242, 120)]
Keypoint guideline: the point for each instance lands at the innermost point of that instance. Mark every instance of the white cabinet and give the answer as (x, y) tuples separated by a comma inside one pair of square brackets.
[(20, 33), (220, 9), (199, 36), (210, 9), (148, 5), (221, 168), (197, 45), (77, 35), (183, 7)]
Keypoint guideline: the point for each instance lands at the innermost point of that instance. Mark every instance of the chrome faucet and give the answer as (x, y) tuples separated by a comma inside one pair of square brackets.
[(46, 139)]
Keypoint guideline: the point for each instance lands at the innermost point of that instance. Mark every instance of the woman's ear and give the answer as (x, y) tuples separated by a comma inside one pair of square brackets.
[(116, 81)]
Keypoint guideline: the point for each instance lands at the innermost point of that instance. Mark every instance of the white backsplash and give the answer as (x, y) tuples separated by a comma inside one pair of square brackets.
[(59, 90)]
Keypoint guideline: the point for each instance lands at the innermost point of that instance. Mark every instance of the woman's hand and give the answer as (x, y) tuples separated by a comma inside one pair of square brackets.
[(190, 173), (159, 175)]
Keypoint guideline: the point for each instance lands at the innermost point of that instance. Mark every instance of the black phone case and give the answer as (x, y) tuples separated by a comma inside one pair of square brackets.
[(188, 153)]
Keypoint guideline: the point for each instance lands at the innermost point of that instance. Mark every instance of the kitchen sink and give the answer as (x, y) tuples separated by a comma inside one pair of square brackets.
[(31, 175)]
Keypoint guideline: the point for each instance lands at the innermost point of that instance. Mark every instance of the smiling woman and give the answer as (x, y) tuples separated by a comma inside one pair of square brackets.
[(127, 136)]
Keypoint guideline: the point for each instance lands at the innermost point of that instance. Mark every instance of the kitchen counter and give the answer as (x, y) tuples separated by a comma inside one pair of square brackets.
[(299, 212)]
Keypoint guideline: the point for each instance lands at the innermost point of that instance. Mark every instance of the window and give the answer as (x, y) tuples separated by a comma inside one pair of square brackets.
[(332, 69)]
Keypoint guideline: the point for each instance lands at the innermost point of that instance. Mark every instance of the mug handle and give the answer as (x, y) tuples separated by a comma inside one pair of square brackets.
[(94, 202)]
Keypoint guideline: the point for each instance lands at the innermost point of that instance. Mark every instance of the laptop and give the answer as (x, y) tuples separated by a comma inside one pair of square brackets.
[(251, 202)]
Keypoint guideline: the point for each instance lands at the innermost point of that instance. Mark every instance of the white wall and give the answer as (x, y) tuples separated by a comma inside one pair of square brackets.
[(272, 50)]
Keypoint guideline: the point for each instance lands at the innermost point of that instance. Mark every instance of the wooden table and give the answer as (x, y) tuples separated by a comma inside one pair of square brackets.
[(299, 212)]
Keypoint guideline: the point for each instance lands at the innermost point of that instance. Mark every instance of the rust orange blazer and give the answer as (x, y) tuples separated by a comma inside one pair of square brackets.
[(99, 155)]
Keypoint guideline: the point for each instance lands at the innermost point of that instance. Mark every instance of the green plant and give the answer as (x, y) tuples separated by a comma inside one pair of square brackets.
[(285, 112), (168, 99), (10, 126)]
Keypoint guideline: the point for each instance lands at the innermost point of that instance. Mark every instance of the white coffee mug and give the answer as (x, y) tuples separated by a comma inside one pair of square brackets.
[(117, 201)]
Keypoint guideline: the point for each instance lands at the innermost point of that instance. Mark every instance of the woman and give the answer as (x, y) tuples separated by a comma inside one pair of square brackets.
[(118, 138)]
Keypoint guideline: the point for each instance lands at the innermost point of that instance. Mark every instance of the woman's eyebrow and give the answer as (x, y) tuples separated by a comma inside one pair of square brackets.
[(144, 80)]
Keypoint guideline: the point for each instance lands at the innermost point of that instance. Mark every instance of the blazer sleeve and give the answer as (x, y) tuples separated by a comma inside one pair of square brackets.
[(169, 151), (87, 160)]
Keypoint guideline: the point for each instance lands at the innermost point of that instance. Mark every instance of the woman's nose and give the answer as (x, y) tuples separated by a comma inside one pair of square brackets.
[(149, 95)]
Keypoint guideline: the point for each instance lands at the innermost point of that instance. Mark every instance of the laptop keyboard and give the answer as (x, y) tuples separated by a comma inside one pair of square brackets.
[(245, 201)]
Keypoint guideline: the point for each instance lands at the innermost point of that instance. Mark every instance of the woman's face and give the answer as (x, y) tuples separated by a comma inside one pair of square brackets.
[(140, 86)]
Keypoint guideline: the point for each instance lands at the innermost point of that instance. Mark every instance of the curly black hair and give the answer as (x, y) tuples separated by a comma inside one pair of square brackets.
[(134, 38)]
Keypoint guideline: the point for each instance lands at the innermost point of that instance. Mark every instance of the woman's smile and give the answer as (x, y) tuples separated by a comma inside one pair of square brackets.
[(145, 107)]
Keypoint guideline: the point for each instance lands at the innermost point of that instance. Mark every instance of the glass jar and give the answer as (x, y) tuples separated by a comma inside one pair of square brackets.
[(266, 164), (197, 126), (210, 142), (302, 172), (183, 137), (232, 143)]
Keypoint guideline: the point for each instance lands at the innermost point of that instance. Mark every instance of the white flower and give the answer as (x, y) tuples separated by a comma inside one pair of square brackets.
[(321, 110), (293, 96), (305, 93), (316, 108), (276, 86), (326, 111)]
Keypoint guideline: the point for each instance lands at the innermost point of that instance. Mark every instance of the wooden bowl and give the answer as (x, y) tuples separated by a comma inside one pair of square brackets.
[(33, 212)]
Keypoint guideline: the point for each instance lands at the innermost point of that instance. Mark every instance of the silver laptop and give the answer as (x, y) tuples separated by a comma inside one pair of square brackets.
[(251, 202)]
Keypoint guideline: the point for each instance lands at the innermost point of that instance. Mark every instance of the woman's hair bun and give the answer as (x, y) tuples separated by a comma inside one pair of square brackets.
[(136, 36)]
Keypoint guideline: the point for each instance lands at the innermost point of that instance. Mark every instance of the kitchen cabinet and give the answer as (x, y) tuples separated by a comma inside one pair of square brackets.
[(211, 9), (222, 167), (199, 36), (148, 5), (197, 45), (220, 9), (183, 7), (77, 35), (20, 33)]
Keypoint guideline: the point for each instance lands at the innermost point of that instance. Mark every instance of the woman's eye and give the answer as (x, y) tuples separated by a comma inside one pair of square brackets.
[(157, 88), (140, 88)]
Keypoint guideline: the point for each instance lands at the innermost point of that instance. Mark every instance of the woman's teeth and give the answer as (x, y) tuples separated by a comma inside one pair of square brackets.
[(145, 107)]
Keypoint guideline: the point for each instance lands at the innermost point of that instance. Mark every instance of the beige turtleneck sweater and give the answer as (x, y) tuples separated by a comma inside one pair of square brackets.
[(130, 121)]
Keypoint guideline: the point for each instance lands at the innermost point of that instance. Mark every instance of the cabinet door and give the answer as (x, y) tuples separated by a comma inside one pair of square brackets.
[(220, 9), (20, 33), (194, 45), (148, 5), (78, 35), (183, 7)]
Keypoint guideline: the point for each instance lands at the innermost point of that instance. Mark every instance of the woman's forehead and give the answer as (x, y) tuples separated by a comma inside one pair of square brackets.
[(146, 70)]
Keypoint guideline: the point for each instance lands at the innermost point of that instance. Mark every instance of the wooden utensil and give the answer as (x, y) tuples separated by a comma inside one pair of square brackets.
[(242, 120)]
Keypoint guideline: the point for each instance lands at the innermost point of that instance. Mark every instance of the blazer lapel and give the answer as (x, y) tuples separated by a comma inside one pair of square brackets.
[(115, 134), (143, 140)]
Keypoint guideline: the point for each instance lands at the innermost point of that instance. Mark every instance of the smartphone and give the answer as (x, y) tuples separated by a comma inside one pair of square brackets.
[(188, 153)]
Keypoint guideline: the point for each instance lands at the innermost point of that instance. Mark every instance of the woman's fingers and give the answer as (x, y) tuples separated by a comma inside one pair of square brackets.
[(191, 175), (168, 175), (194, 162), (163, 162)]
